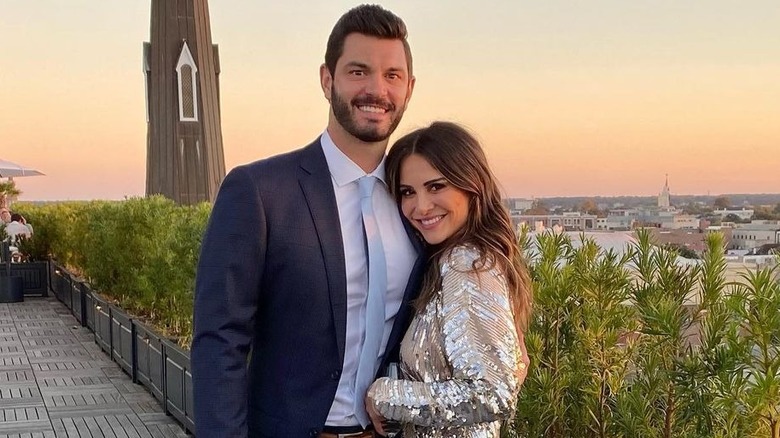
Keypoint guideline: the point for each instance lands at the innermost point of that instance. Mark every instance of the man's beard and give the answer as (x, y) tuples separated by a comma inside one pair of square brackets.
[(371, 133)]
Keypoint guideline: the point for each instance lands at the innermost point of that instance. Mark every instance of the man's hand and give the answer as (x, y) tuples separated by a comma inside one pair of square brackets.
[(376, 418)]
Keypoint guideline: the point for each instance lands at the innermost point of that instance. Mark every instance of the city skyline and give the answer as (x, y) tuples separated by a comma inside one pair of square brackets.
[(603, 99)]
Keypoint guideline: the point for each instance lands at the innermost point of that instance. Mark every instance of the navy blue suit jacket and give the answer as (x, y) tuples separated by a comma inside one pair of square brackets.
[(271, 290)]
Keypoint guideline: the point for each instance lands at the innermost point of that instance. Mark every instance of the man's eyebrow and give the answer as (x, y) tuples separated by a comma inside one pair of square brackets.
[(357, 64)]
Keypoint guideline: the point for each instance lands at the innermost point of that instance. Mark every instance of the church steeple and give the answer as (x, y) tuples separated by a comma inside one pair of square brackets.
[(664, 197), (185, 160)]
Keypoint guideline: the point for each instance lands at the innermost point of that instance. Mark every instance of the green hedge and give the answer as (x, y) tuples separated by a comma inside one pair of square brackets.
[(141, 252), (632, 345), (640, 345)]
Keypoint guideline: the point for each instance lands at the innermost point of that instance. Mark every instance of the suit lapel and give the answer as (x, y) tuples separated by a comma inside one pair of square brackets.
[(403, 317), (315, 182)]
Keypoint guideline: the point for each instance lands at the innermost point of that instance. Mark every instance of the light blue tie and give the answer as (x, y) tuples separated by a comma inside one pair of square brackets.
[(375, 307)]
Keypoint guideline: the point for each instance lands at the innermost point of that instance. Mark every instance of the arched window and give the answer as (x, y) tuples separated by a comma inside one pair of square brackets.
[(188, 88), (187, 93)]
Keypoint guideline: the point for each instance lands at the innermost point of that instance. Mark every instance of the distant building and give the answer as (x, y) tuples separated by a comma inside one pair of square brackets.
[(681, 222), (185, 161), (618, 220), (628, 212), (569, 221), (664, 201), (694, 240), (755, 234), (518, 205), (744, 213), (615, 223)]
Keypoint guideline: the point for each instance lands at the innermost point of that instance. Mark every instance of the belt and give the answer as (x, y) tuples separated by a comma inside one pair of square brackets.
[(347, 432)]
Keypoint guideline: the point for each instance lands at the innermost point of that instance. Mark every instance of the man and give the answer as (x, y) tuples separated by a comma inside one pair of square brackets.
[(17, 228), (281, 298)]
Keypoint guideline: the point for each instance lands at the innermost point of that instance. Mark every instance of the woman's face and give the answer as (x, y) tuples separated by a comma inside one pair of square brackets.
[(436, 208)]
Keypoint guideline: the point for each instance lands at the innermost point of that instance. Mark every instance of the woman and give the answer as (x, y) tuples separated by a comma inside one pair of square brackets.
[(463, 358)]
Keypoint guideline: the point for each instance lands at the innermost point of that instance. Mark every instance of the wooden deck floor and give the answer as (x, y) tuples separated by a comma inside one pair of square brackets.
[(55, 381)]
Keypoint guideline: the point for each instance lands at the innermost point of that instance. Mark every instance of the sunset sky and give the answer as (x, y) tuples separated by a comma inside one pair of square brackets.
[(570, 98)]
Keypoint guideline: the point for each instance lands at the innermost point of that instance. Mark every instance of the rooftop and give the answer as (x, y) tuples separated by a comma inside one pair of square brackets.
[(56, 382)]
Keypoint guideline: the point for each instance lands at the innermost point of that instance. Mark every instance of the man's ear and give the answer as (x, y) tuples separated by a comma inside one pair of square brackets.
[(412, 81), (326, 81)]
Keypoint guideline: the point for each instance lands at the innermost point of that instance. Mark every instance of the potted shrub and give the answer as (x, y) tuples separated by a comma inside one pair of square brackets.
[(11, 286)]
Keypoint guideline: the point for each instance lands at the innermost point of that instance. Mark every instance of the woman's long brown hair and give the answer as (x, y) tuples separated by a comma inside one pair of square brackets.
[(454, 152)]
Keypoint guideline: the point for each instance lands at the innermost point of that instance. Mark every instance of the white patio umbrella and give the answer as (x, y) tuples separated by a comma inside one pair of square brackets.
[(12, 170)]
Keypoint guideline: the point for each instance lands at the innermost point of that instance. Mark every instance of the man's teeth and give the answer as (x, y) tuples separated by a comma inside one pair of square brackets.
[(431, 221), (372, 109)]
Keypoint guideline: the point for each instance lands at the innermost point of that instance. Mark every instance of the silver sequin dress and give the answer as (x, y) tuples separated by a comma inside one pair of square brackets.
[(462, 361)]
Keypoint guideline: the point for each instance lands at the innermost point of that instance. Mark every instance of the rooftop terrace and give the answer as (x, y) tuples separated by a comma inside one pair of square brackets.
[(56, 382)]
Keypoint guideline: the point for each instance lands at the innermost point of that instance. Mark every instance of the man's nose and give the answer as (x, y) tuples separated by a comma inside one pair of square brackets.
[(376, 85)]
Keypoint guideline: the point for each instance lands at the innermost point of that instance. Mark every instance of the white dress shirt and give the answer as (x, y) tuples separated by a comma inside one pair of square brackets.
[(399, 255), (14, 229)]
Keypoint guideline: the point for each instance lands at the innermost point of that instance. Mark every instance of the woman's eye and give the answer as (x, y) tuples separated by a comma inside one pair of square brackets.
[(406, 192)]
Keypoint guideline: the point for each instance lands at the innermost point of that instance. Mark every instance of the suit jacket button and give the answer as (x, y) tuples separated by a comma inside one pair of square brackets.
[(335, 375), (314, 433)]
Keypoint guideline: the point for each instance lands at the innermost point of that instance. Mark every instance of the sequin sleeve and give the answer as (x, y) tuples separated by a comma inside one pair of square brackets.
[(482, 350)]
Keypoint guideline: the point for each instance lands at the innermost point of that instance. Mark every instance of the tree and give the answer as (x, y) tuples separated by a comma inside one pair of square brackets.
[(589, 206), (7, 190), (764, 213), (682, 250), (696, 209), (731, 217), (722, 202), (539, 208)]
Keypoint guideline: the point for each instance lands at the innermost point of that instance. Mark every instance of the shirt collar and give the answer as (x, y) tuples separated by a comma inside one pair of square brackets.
[(342, 169)]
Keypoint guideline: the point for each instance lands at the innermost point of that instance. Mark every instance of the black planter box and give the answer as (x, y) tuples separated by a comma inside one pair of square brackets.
[(53, 268), (65, 290), (34, 275), (149, 361), (11, 289), (55, 279), (102, 323), (77, 300), (122, 339), (178, 384), (153, 361), (59, 283), (89, 307)]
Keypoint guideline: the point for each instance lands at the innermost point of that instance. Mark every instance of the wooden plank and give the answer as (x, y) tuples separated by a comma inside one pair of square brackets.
[(117, 428), (57, 396)]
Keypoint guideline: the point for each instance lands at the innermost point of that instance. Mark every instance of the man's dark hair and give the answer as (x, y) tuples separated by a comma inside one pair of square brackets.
[(369, 20), (16, 217)]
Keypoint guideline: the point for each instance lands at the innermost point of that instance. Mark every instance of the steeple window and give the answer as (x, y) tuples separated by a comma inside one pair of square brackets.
[(188, 88)]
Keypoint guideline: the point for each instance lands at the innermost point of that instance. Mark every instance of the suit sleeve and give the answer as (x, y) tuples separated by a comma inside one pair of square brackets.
[(483, 350), (230, 269)]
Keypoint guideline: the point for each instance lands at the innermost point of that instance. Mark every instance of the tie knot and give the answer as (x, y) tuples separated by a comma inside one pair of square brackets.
[(366, 185)]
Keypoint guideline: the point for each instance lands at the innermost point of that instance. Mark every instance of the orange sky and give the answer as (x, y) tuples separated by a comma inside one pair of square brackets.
[(569, 98)]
